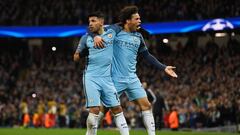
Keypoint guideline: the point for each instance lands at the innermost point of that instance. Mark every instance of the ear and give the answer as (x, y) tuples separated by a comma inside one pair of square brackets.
[(128, 21), (102, 21)]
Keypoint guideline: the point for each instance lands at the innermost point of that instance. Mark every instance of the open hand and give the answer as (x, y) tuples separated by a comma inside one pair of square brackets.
[(169, 70)]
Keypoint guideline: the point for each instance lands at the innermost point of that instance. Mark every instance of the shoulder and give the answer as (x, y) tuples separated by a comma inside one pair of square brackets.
[(83, 39), (138, 34), (85, 36), (109, 30), (113, 26), (109, 33)]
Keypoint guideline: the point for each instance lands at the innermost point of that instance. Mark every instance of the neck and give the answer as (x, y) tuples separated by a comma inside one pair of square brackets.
[(100, 31), (126, 28)]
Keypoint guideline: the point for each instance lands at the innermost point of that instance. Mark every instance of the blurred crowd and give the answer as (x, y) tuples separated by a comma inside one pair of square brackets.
[(42, 88), (74, 12), (207, 91)]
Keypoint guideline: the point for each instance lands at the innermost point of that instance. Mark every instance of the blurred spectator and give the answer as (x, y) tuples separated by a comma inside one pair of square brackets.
[(62, 116), (158, 108), (150, 95), (173, 119)]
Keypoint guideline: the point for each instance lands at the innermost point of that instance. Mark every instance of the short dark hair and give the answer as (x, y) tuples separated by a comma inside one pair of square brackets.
[(97, 14), (127, 12)]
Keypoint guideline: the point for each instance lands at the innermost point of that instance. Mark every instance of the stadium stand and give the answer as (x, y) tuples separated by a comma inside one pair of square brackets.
[(73, 12), (43, 88)]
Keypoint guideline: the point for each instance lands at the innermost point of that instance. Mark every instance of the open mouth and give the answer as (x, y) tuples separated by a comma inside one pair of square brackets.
[(139, 26)]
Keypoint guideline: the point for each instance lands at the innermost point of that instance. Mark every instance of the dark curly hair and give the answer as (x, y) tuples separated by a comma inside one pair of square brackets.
[(126, 13)]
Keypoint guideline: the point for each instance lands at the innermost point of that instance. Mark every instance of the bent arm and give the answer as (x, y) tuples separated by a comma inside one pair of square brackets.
[(81, 50)]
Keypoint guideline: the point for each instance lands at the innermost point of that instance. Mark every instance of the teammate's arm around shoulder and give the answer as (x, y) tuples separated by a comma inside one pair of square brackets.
[(80, 49), (99, 41)]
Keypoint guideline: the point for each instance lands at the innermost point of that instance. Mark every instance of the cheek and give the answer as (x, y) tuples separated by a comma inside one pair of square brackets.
[(96, 25), (132, 24), (137, 22)]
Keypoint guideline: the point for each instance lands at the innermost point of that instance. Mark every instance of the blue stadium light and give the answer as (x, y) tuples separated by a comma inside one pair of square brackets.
[(153, 28), (193, 26), (42, 31)]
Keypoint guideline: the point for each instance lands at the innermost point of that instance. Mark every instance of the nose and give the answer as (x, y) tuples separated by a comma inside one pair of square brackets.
[(90, 23), (139, 21)]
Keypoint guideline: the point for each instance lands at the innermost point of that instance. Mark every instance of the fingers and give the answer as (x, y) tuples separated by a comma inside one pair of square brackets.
[(99, 44), (174, 75), (170, 72), (102, 43), (172, 67)]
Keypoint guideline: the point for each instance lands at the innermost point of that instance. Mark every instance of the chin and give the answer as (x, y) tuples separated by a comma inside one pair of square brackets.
[(92, 31)]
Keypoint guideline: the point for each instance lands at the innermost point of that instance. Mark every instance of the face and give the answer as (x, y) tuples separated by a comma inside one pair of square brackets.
[(95, 24), (134, 23)]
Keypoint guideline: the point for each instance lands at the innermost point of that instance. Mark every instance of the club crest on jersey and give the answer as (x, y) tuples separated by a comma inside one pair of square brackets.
[(109, 35), (135, 39)]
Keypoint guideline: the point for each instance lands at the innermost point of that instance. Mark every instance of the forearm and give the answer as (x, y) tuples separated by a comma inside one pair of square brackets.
[(152, 60), (78, 55)]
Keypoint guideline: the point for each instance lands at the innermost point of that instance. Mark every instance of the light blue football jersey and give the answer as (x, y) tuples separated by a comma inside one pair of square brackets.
[(126, 46), (99, 61)]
